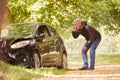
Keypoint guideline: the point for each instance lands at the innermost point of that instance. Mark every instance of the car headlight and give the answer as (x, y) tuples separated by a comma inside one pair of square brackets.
[(19, 44)]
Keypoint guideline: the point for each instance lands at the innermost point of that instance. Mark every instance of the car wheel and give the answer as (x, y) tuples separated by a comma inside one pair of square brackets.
[(64, 62), (36, 60)]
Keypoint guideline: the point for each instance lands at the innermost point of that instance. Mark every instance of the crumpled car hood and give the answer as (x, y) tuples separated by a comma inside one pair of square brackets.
[(4, 47)]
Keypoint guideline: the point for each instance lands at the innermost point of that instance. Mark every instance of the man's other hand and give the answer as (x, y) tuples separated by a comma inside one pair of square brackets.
[(84, 48), (74, 29)]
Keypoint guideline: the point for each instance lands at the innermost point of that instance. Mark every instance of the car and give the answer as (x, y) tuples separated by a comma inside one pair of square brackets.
[(32, 45)]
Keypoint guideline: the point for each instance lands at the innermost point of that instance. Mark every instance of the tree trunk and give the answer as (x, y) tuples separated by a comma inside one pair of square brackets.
[(3, 9)]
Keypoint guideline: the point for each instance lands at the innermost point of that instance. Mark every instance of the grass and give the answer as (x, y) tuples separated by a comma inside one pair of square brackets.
[(9, 72), (100, 58), (108, 58)]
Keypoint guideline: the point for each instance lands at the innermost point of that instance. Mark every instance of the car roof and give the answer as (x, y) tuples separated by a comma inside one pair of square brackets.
[(34, 23)]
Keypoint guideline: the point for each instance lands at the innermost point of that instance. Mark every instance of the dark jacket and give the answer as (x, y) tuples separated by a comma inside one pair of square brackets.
[(89, 33)]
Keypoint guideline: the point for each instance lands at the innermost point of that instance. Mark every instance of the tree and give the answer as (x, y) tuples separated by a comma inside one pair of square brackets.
[(3, 9), (61, 13)]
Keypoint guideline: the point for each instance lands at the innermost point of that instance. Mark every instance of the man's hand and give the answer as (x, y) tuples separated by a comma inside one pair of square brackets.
[(74, 29), (84, 48)]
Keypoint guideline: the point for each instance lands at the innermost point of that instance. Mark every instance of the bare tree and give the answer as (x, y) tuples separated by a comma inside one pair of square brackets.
[(3, 9)]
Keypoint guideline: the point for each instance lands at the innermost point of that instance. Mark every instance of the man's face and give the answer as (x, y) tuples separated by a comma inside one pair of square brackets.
[(77, 25)]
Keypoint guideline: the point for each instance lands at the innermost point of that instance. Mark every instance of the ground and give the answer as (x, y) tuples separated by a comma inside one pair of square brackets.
[(101, 72)]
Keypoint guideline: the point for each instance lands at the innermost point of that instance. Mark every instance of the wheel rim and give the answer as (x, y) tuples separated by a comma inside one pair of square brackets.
[(64, 61), (36, 61)]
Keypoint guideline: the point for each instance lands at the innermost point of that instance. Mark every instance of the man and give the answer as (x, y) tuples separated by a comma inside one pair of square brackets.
[(93, 38)]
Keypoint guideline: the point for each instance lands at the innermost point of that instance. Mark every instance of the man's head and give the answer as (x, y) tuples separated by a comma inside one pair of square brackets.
[(77, 23)]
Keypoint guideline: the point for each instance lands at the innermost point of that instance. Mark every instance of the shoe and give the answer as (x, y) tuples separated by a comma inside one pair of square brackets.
[(91, 68), (83, 68)]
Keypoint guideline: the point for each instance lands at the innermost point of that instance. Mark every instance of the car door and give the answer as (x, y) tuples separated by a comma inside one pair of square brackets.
[(44, 45), (55, 40)]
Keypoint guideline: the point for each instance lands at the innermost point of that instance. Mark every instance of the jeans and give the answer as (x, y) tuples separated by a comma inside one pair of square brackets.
[(92, 54)]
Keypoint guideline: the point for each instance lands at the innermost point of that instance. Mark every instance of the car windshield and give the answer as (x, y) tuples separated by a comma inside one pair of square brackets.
[(18, 30)]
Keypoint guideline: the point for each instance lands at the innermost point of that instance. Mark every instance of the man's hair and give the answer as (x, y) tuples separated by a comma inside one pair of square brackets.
[(77, 20)]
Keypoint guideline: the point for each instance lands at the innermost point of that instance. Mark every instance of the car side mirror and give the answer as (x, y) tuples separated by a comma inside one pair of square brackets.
[(40, 37)]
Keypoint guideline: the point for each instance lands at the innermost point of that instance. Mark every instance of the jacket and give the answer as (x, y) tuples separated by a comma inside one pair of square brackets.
[(90, 34)]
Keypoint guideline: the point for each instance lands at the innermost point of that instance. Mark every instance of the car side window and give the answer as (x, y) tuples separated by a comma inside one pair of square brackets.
[(52, 31), (43, 30)]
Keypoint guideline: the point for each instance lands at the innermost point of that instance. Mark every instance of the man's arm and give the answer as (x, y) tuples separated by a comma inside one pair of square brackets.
[(92, 37), (75, 34)]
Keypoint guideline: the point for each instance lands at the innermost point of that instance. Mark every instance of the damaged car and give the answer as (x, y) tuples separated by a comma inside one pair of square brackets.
[(32, 45)]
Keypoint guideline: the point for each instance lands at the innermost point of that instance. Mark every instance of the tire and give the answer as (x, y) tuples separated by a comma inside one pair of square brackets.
[(64, 62), (36, 60)]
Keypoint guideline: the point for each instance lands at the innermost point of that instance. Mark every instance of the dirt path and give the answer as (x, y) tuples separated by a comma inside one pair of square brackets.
[(101, 72)]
